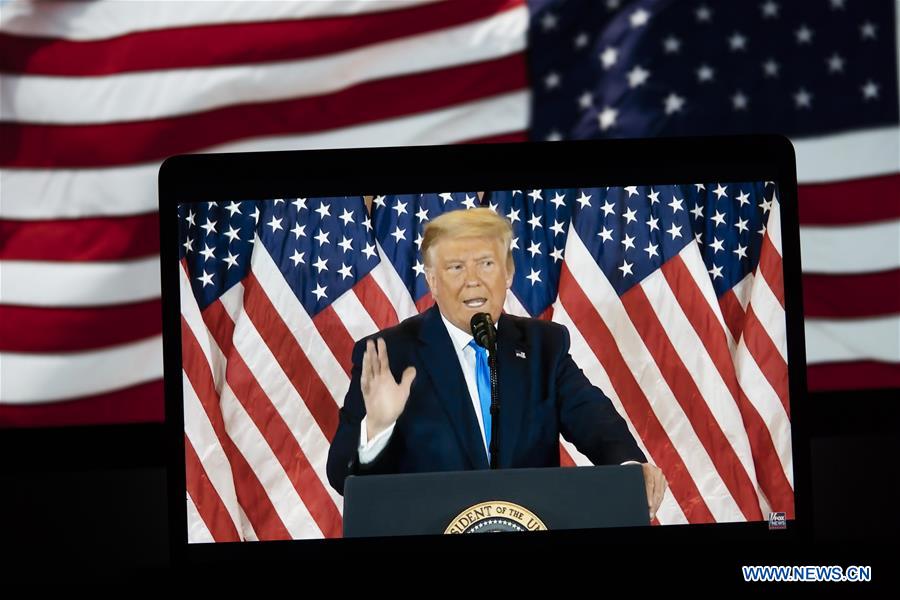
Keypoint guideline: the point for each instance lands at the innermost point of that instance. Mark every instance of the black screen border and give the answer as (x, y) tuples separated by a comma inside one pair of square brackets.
[(354, 172)]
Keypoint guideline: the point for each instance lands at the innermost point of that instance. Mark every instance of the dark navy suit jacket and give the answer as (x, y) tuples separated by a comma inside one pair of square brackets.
[(542, 393)]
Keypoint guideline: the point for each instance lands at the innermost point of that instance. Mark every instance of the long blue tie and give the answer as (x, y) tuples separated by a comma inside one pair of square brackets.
[(483, 381)]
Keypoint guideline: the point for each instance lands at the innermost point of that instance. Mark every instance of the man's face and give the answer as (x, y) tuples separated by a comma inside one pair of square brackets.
[(467, 276)]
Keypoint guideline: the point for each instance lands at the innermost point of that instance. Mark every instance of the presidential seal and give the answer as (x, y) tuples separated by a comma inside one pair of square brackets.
[(493, 517)]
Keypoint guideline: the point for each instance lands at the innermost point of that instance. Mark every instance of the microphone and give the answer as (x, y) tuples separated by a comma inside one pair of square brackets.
[(483, 331)]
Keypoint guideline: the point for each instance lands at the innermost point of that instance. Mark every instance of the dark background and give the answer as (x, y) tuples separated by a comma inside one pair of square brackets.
[(96, 497)]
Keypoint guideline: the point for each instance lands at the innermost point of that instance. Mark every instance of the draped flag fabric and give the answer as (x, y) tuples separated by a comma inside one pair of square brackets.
[(93, 96), (274, 294), (673, 297)]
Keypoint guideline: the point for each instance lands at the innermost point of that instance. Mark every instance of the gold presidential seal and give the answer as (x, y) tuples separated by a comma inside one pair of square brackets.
[(495, 516)]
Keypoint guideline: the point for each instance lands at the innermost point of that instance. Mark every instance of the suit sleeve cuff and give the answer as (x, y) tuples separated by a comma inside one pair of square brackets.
[(370, 449)]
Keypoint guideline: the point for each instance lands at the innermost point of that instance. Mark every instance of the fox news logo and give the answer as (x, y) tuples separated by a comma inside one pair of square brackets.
[(777, 520)]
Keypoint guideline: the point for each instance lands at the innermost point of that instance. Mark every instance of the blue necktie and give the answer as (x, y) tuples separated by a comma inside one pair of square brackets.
[(483, 381)]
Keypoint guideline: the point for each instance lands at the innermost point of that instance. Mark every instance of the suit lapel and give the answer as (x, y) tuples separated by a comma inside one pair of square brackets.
[(513, 377), (439, 360)]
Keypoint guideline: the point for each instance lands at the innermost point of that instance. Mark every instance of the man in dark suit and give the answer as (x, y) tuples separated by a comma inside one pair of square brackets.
[(435, 417)]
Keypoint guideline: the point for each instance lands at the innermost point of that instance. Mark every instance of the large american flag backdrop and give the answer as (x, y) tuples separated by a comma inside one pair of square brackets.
[(94, 95)]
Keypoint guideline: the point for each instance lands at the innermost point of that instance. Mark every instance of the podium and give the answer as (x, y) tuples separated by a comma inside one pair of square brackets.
[(495, 500)]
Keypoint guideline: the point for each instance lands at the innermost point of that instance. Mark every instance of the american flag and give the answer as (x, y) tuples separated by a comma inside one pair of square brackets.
[(822, 72), (94, 96), (274, 294), (673, 296)]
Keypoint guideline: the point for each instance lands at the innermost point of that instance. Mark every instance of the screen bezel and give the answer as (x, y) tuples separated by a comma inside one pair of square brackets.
[(408, 170)]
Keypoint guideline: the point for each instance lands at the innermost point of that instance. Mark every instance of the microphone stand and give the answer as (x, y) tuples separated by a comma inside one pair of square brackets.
[(485, 335), (495, 405)]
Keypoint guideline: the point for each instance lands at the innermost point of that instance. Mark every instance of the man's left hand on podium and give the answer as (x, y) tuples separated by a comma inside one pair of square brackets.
[(656, 485)]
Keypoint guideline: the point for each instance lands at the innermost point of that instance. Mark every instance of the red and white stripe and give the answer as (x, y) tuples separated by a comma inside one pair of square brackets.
[(849, 237), (703, 409), (279, 377), (79, 250)]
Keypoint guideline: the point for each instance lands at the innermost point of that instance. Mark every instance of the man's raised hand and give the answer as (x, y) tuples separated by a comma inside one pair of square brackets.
[(385, 398)]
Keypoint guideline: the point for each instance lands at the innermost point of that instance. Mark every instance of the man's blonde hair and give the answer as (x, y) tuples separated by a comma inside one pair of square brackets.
[(475, 222)]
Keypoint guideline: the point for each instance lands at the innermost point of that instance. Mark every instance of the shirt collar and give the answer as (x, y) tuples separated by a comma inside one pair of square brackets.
[(459, 337)]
